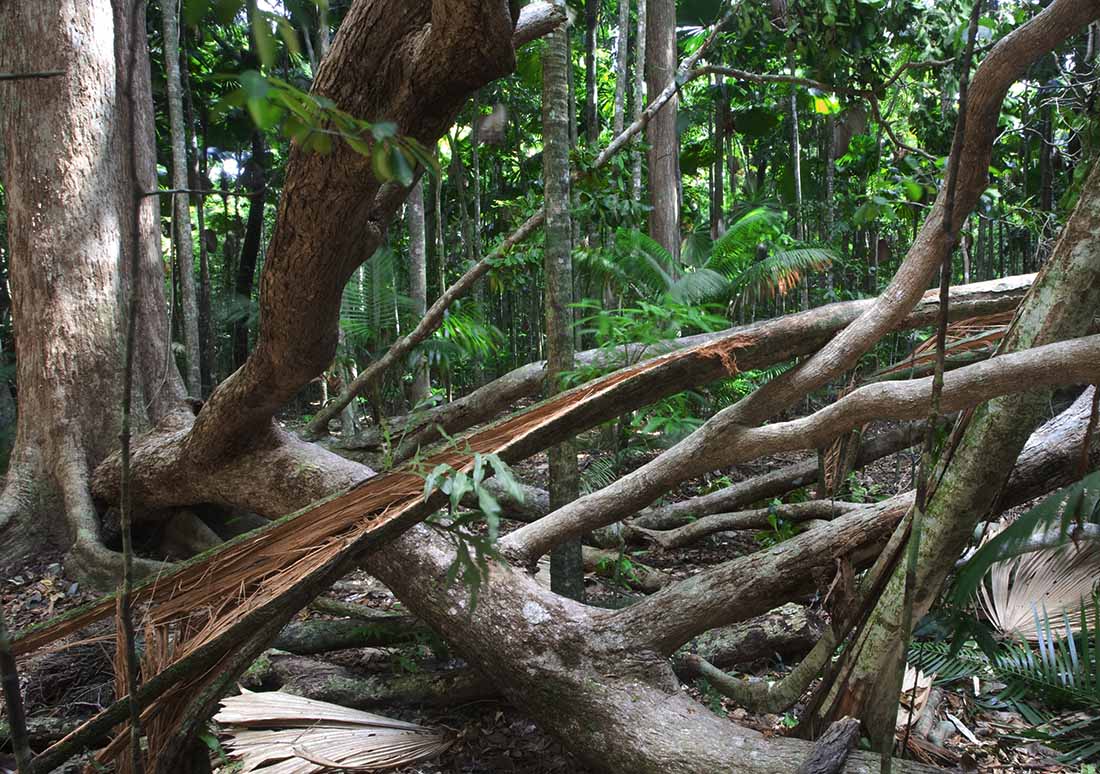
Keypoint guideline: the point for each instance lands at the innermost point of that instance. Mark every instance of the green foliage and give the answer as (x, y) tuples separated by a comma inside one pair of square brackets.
[(779, 529), (619, 570), (474, 547), (752, 260), (858, 492)]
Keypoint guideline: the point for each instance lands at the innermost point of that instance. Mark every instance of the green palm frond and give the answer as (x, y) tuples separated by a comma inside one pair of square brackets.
[(599, 473), (462, 336), (643, 261), (1064, 672), (699, 286), (735, 251), (1059, 511), (779, 273), (371, 304)]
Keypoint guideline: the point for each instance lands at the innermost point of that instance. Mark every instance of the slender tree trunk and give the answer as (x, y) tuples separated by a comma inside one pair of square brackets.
[(718, 191), (639, 94), (664, 141), (202, 180), (830, 194), (796, 174), (418, 284), (181, 211), (255, 175), (566, 565), (622, 68), (591, 108)]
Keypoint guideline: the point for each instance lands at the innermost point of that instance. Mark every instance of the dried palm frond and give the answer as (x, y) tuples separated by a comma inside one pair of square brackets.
[(976, 335), (279, 733), (1021, 591), (916, 687)]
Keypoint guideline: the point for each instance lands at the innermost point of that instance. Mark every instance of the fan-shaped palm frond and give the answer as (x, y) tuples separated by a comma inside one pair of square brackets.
[(278, 733), (1058, 513), (1022, 591)]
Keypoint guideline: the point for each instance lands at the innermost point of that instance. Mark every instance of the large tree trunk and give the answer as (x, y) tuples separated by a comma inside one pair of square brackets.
[(663, 138), (599, 679), (566, 565), (71, 209)]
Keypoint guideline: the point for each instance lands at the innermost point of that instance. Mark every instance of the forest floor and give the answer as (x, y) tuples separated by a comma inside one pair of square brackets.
[(491, 736)]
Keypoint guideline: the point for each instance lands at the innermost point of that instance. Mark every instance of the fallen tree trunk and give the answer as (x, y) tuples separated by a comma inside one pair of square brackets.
[(758, 519), (773, 484), (794, 335), (787, 632), (321, 636), (336, 684)]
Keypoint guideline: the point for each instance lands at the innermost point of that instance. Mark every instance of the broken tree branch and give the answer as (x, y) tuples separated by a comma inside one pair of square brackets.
[(1066, 362)]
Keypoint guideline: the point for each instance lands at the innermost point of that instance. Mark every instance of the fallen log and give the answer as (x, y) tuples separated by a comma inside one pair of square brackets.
[(831, 751), (320, 680), (797, 513), (787, 632), (322, 636), (794, 335)]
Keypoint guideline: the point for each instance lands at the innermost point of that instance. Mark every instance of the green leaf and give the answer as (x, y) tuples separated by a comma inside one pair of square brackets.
[(433, 478), (265, 41), (505, 476), (194, 11), (460, 485), (226, 10), (289, 35)]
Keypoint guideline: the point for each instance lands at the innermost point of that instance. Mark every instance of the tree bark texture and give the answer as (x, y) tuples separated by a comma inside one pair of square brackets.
[(566, 565), (978, 458), (181, 210), (70, 208), (662, 136), (418, 286)]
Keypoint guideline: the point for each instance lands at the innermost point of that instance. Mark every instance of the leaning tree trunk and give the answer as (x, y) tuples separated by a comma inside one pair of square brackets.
[(664, 141), (978, 461), (71, 207), (566, 564)]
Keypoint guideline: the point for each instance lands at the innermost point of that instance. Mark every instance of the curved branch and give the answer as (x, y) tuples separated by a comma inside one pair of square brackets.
[(1068, 362), (318, 426), (431, 54), (1007, 61), (755, 519)]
